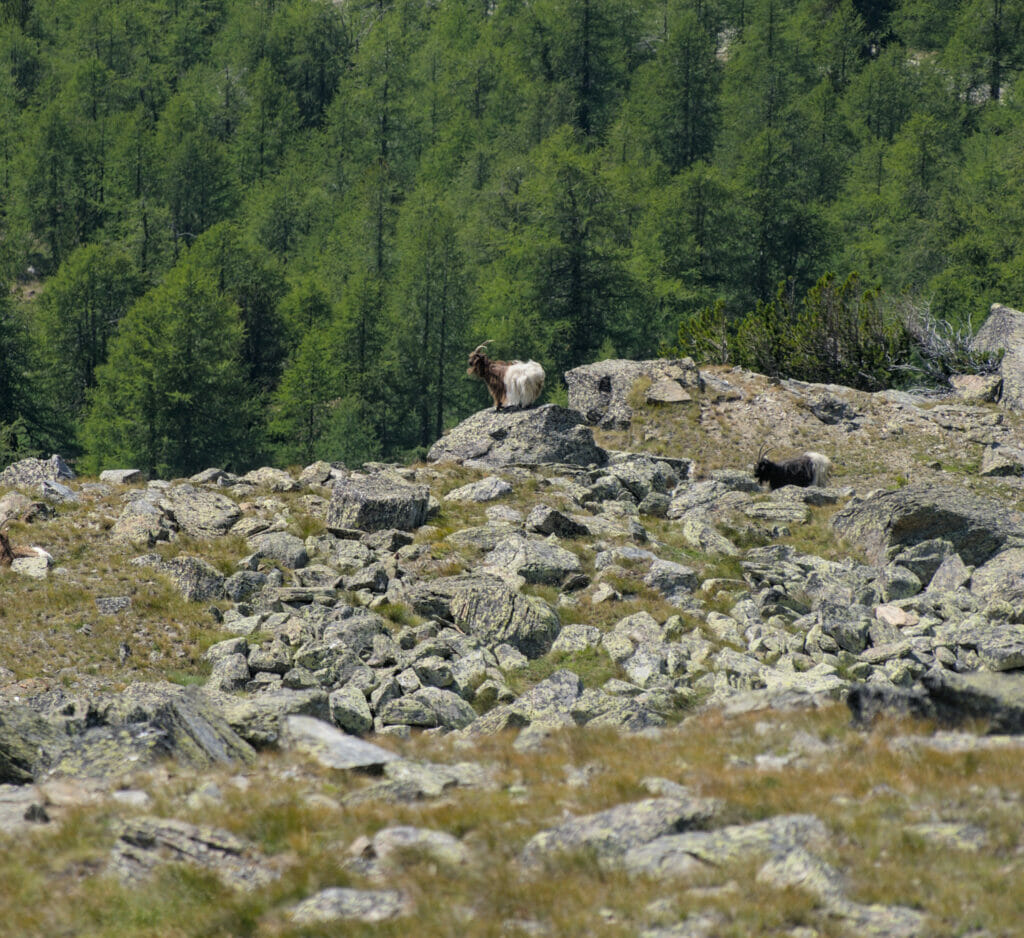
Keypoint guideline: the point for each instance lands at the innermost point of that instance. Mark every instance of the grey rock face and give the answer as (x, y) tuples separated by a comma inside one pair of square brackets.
[(110, 734), (122, 476), (377, 503), (977, 527), (600, 391), (545, 520), (259, 718), (533, 437), (492, 612), (1002, 461), (202, 513), (429, 707), (1004, 329)]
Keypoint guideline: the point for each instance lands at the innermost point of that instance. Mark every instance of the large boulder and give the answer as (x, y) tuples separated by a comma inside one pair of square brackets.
[(535, 560), (201, 513), (108, 734), (534, 437), (1004, 329), (495, 614), (600, 391), (32, 473), (377, 502), (977, 527)]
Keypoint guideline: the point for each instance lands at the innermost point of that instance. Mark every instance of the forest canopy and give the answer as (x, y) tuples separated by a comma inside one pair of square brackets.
[(273, 229)]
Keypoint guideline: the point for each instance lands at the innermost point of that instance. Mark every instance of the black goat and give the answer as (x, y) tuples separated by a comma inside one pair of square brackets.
[(805, 470)]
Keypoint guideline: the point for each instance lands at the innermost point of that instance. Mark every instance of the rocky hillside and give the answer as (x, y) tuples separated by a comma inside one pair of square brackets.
[(575, 675)]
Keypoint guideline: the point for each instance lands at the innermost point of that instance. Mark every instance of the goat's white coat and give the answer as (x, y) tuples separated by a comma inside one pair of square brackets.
[(523, 383), (820, 466)]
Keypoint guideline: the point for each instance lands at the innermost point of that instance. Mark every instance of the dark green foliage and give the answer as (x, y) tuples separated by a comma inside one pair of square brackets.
[(172, 397), (358, 193)]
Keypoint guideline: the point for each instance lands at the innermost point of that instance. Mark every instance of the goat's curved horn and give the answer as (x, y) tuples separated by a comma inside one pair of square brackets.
[(763, 451), (482, 346)]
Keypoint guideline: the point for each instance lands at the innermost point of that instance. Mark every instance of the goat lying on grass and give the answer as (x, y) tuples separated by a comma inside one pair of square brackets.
[(9, 553), (512, 384), (806, 470)]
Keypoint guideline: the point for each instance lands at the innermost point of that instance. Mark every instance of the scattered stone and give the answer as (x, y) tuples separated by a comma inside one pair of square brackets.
[(339, 903)]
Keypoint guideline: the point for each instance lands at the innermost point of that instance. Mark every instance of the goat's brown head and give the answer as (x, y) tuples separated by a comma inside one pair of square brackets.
[(478, 358)]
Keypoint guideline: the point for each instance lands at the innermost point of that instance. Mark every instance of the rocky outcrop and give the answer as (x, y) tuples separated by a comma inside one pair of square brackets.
[(109, 734), (1004, 330), (885, 524), (600, 391), (537, 436)]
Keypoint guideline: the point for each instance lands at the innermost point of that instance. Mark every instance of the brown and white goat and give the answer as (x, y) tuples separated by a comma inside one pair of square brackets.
[(806, 470), (512, 384), (8, 553)]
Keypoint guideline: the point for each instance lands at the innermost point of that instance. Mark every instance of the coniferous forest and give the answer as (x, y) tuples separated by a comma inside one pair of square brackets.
[(234, 231)]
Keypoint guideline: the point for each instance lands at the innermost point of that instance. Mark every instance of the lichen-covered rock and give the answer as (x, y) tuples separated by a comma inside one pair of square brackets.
[(1000, 460), (611, 833), (362, 905), (681, 854), (600, 391), (886, 524), (259, 718), (536, 561), (277, 480), (377, 502), (146, 843), (202, 513), (194, 578), (546, 520), (1001, 578), (331, 747), (286, 549), (33, 472), (532, 437), (486, 608), (143, 521), (350, 710), (25, 739), (429, 707), (485, 490)]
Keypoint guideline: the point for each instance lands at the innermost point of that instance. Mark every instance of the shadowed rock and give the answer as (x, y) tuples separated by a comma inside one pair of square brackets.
[(977, 527)]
